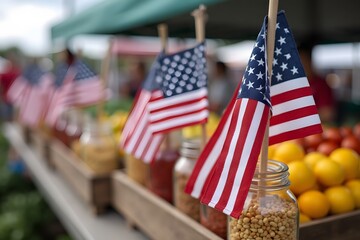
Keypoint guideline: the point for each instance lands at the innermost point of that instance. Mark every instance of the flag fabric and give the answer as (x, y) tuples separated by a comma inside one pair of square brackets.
[(224, 170), (294, 113), (75, 85), (184, 87), (137, 138), (29, 93)]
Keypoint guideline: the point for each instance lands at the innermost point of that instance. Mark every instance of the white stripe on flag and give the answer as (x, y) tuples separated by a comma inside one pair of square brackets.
[(245, 155), (229, 158), (294, 124), (178, 121), (293, 105), (169, 101), (211, 159), (289, 85), (203, 103)]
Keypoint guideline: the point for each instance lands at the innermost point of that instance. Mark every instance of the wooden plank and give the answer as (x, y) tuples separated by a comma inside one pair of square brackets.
[(157, 218), (337, 227), (69, 208), (94, 189), (41, 144)]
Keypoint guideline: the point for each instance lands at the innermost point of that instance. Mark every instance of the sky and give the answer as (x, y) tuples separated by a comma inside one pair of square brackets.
[(26, 23)]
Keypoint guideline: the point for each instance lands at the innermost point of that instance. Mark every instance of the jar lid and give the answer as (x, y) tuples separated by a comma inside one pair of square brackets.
[(190, 148)]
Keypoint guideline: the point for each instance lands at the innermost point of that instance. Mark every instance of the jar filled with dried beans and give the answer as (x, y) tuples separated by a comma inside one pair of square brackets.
[(190, 150), (270, 210)]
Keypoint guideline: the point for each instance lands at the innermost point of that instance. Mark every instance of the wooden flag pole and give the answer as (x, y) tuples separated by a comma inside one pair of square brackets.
[(200, 15), (163, 34), (271, 30), (104, 74)]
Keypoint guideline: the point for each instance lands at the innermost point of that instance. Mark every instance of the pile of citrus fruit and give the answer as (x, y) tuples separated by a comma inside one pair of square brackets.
[(324, 184)]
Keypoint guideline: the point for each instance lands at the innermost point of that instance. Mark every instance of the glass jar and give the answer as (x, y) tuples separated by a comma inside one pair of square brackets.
[(58, 131), (270, 210), (190, 151), (98, 147), (214, 220), (73, 129), (161, 173), (136, 169)]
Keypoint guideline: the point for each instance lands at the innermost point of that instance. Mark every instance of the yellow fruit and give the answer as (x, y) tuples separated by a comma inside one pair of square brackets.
[(304, 218), (341, 199), (314, 204), (289, 151), (301, 177), (348, 159), (354, 186), (192, 132), (329, 173), (311, 159), (271, 151)]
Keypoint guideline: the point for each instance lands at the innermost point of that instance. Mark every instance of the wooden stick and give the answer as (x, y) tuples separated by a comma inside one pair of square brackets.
[(271, 30), (163, 34), (200, 15), (104, 73)]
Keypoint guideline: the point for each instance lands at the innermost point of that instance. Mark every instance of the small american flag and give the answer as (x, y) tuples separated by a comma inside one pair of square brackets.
[(137, 138), (184, 87), (75, 85), (223, 173), (29, 93)]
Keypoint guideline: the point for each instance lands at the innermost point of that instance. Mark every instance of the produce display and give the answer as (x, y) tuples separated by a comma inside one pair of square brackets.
[(324, 171)]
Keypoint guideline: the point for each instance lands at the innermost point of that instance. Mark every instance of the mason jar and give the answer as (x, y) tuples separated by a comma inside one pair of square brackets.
[(213, 220), (98, 147), (190, 151), (270, 210)]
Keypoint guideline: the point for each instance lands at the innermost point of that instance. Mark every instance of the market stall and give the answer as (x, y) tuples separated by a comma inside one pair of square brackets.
[(182, 184)]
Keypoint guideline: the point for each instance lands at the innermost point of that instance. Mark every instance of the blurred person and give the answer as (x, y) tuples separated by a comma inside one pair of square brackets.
[(220, 88), (137, 74), (7, 77), (323, 94)]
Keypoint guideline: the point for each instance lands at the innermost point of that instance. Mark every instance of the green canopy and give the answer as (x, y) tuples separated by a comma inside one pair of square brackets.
[(125, 16), (329, 20)]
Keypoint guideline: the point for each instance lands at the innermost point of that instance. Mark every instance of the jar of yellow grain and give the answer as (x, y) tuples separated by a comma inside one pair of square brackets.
[(270, 210), (98, 147)]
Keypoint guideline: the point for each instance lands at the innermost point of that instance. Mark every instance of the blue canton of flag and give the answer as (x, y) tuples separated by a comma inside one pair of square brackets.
[(184, 87), (83, 71), (255, 83), (184, 71), (33, 74)]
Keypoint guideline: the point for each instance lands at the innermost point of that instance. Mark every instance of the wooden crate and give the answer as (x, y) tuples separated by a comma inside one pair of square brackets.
[(41, 143), (154, 216), (338, 227), (93, 188)]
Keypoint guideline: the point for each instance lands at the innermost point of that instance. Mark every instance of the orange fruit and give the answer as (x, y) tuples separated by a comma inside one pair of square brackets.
[(329, 173), (271, 151), (311, 159), (304, 218), (314, 204), (289, 151), (348, 159), (301, 177), (354, 186), (341, 199)]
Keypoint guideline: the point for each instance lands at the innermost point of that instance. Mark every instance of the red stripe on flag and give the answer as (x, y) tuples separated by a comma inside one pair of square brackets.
[(298, 133), (292, 115), (290, 95)]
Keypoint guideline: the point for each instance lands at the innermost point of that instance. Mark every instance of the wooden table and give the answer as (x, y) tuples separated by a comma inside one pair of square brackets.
[(73, 214)]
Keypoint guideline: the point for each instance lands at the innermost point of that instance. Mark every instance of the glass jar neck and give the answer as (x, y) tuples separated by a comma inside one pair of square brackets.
[(275, 178), (190, 149)]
